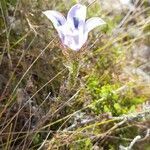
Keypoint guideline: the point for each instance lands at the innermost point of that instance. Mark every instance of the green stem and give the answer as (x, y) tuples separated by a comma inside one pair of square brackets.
[(73, 74)]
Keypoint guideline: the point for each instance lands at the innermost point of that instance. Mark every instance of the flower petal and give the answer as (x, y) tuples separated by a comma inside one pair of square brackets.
[(63, 31), (61, 35), (84, 39), (76, 16), (72, 42), (92, 23), (56, 18), (75, 42)]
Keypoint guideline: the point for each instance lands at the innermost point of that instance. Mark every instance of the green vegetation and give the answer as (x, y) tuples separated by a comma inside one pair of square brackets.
[(96, 98)]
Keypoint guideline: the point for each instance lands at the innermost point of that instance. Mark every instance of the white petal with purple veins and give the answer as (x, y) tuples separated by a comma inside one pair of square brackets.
[(56, 18), (71, 39), (93, 23), (72, 42), (76, 16), (74, 39)]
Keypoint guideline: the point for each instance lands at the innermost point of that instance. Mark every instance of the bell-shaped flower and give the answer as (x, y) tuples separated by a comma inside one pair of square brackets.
[(73, 30)]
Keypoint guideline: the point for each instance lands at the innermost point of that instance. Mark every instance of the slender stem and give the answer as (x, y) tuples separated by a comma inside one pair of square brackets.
[(73, 74)]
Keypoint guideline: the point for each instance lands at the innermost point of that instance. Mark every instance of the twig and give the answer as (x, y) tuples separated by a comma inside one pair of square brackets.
[(137, 138), (146, 136), (102, 137)]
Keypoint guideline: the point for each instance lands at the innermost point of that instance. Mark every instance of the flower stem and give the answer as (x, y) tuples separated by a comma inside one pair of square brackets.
[(73, 74)]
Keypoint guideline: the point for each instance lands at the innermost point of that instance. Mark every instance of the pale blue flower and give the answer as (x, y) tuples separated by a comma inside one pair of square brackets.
[(74, 29)]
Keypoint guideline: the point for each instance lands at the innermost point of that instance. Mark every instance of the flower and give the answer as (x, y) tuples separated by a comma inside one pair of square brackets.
[(73, 30)]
